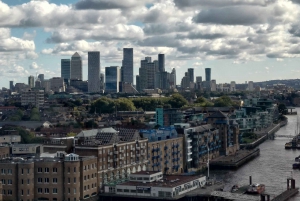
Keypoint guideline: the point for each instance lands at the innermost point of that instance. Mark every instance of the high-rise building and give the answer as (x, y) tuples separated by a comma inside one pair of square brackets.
[(127, 65), (31, 81), (41, 77), (161, 62), (65, 66), (102, 82), (57, 84), (33, 97), (11, 85), (198, 79), (173, 78), (76, 67), (250, 86), (213, 85), (185, 81), (94, 71), (112, 79), (147, 74), (232, 86), (208, 74), (191, 74)]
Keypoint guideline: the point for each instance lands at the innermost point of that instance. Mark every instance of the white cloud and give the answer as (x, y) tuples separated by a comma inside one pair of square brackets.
[(34, 65)]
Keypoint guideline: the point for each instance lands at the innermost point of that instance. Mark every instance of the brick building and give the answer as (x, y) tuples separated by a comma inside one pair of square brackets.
[(63, 177), (119, 153), (4, 152)]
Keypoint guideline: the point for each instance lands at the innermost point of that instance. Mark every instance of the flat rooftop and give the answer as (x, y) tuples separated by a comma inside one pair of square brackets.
[(167, 181), (145, 172)]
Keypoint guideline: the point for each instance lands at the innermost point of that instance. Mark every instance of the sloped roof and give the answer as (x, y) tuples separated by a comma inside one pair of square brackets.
[(107, 138), (128, 134), (218, 114), (94, 132), (76, 55)]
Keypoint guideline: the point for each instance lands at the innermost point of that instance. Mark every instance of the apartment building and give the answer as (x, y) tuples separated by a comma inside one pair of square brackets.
[(60, 177), (119, 152), (4, 152), (165, 150), (33, 97)]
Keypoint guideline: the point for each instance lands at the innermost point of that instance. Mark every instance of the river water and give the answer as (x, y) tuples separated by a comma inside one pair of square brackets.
[(272, 167)]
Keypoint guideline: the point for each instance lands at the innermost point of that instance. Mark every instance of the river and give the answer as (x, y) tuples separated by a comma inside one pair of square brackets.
[(272, 167)]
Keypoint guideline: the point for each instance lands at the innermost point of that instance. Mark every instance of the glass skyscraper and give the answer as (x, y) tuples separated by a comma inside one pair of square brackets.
[(65, 68), (208, 74), (161, 63), (94, 72), (127, 65), (112, 79)]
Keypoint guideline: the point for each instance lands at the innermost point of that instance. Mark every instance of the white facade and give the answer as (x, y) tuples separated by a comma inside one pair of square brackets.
[(232, 86), (47, 85), (94, 72), (250, 86), (10, 139), (213, 85), (36, 98), (165, 187)]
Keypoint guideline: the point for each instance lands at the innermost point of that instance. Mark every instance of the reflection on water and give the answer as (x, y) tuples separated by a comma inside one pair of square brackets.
[(272, 167)]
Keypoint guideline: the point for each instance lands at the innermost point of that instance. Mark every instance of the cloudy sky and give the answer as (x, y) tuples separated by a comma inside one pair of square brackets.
[(240, 40)]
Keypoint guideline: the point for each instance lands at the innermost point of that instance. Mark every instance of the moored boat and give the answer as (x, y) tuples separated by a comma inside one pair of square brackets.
[(256, 189), (234, 188), (296, 166), (288, 145)]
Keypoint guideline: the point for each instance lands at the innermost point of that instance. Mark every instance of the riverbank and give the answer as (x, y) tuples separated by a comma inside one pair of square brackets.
[(234, 161)]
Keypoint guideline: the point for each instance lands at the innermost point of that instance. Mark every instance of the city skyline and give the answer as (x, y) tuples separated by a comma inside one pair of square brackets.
[(255, 45)]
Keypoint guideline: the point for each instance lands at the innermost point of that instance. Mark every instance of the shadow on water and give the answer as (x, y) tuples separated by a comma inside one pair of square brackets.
[(272, 167)]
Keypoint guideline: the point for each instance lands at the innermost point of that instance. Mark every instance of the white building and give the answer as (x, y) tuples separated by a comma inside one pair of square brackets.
[(154, 184), (232, 86), (250, 86), (35, 98), (213, 85), (47, 85)]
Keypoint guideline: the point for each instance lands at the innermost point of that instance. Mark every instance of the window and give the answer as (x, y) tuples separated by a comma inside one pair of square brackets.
[(69, 190), (28, 181), (9, 192), (40, 190), (9, 181), (46, 190), (22, 171), (84, 177), (69, 180), (28, 171), (46, 180), (74, 169), (46, 169), (54, 190), (68, 169), (84, 187), (22, 192), (40, 180), (22, 181), (28, 192), (54, 170), (3, 181), (2, 171), (74, 190), (74, 179), (9, 171), (40, 170), (54, 180)]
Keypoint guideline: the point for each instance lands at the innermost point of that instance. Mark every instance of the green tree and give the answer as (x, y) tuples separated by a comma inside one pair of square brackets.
[(71, 134), (124, 104), (224, 101), (35, 115), (177, 101), (282, 108), (103, 105)]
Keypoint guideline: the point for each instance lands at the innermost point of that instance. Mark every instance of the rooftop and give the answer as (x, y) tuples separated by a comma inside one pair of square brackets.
[(145, 172), (170, 181)]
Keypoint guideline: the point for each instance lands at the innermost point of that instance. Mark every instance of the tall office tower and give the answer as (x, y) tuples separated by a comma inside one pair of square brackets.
[(191, 74), (127, 65), (38, 83), (65, 66), (199, 82), (185, 81), (94, 72), (173, 78), (161, 62), (31, 81), (76, 67), (102, 82), (213, 85), (208, 74), (138, 83), (147, 74), (41, 77), (156, 65), (250, 86), (232, 86), (11, 85), (112, 79), (198, 79)]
